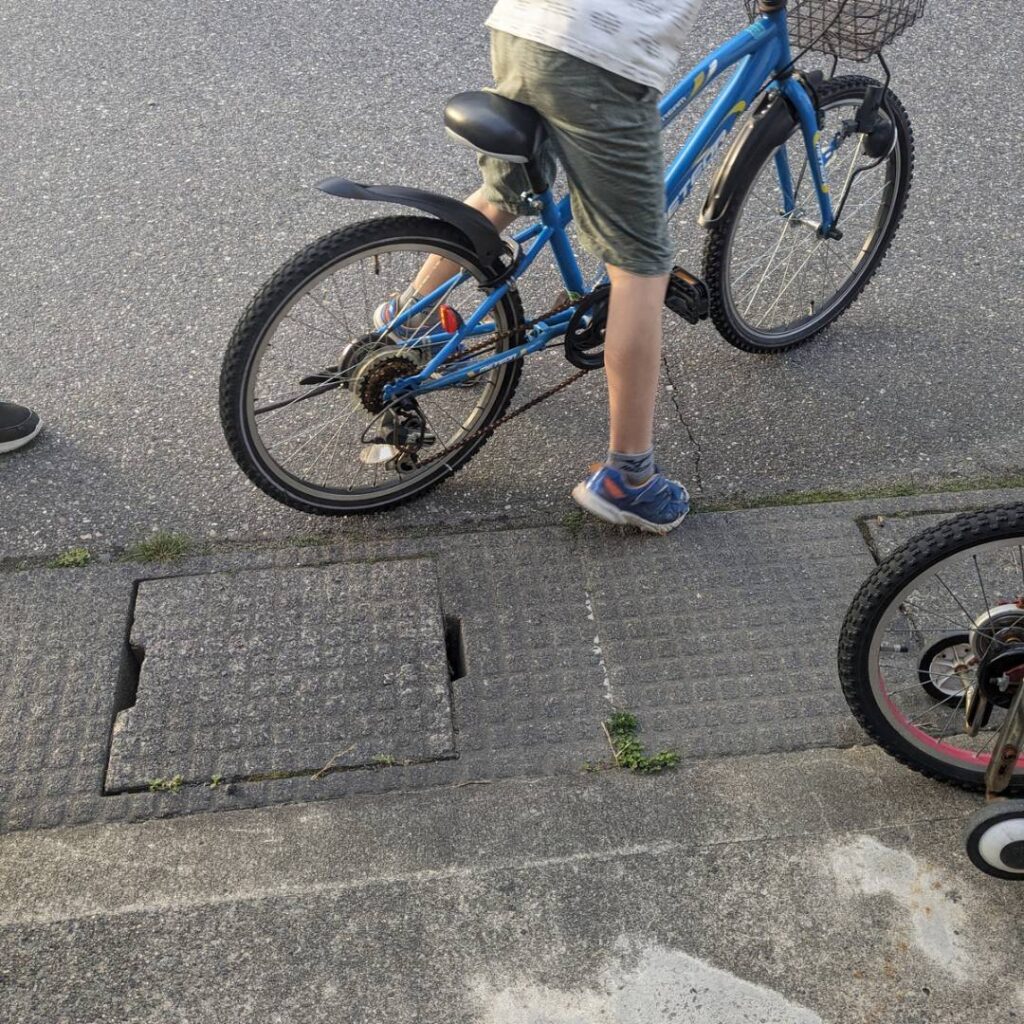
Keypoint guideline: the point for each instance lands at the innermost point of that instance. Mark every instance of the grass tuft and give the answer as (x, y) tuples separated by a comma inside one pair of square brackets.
[(574, 521), (622, 730), (73, 558), (160, 547), (171, 785), (309, 540), (907, 489)]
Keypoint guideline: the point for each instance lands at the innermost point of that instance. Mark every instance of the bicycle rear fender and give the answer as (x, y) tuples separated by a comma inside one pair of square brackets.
[(479, 232), (772, 122)]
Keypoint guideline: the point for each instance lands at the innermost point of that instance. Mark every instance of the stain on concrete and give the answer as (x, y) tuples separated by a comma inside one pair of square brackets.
[(932, 913), (644, 984)]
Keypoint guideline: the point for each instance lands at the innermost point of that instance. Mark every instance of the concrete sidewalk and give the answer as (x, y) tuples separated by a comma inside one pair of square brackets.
[(778, 889), (183, 845)]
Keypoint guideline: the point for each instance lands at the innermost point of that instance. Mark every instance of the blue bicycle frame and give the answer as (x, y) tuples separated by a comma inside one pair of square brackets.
[(759, 52)]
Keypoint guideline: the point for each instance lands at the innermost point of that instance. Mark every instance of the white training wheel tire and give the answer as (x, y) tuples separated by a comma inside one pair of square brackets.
[(995, 839)]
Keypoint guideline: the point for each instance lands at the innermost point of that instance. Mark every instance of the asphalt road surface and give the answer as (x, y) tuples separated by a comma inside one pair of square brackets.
[(155, 167)]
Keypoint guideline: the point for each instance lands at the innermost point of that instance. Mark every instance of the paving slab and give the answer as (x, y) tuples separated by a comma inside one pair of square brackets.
[(889, 532), (284, 672), (820, 887), (213, 699), (61, 657), (725, 641)]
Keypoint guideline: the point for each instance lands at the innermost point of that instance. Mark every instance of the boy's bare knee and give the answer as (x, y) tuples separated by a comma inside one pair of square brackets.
[(499, 217)]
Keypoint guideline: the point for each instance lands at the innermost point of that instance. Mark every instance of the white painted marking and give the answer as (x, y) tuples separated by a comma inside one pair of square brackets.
[(599, 653), (71, 905), (936, 922), (651, 984)]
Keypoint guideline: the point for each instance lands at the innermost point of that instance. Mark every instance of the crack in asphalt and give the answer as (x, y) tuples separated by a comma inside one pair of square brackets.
[(698, 451)]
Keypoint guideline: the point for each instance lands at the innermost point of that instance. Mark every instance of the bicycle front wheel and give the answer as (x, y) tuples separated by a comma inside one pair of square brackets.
[(774, 281), (302, 385), (932, 650)]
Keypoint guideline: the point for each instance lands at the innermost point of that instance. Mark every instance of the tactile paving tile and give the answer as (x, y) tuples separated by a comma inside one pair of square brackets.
[(61, 638), (722, 637), (265, 673), (888, 532), (534, 694)]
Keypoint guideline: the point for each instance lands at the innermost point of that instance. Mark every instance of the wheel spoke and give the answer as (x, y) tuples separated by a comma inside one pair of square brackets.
[(783, 279)]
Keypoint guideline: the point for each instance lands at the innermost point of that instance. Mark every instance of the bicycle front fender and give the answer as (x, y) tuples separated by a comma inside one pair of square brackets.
[(483, 239), (771, 123)]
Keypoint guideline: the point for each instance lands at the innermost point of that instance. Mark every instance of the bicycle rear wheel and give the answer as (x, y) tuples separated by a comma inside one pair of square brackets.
[(957, 588), (301, 391), (773, 281)]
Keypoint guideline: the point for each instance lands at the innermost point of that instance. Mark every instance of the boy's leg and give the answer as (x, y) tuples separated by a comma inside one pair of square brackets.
[(628, 489), (632, 358), (436, 270)]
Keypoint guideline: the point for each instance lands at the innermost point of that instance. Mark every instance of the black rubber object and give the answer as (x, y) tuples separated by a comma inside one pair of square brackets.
[(771, 122), (584, 337), (917, 556), (755, 146), (479, 231), (278, 291), (686, 296)]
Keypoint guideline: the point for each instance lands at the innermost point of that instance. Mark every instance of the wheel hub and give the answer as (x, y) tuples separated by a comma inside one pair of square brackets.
[(997, 640), (992, 622)]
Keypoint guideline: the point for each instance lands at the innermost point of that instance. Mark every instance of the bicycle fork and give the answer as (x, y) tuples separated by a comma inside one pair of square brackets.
[(876, 140), (1008, 744), (800, 95)]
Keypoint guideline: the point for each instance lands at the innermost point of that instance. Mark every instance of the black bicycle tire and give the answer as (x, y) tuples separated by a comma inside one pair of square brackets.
[(716, 244), (915, 557), (277, 291)]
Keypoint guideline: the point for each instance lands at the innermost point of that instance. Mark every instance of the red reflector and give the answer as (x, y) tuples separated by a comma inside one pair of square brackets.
[(449, 319)]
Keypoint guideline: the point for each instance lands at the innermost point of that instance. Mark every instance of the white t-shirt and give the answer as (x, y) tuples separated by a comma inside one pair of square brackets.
[(638, 39)]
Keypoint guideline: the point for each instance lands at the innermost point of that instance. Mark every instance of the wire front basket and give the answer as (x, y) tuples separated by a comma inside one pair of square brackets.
[(850, 29)]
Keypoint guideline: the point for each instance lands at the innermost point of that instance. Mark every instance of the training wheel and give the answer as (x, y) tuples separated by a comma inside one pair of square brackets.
[(995, 839), (943, 666)]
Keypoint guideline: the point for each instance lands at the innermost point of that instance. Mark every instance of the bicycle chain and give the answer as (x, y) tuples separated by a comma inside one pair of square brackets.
[(490, 428)]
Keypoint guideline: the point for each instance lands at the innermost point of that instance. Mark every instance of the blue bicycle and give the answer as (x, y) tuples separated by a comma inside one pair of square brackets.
[(330, 410)]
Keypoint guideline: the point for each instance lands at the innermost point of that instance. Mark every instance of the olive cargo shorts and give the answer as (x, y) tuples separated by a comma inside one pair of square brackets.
[(606, 131)]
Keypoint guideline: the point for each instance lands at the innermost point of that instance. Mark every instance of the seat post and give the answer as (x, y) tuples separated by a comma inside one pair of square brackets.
[(535, 178)]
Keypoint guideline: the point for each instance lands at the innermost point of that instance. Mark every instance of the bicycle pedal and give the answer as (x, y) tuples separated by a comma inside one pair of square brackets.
[(687, 296)]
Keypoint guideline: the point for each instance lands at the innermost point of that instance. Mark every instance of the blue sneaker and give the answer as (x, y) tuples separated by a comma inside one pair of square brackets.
[(657, 506)]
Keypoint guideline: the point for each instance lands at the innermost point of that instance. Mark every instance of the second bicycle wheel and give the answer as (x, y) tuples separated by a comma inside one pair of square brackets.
[(951, 597), (773, 280), (302, 395)]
